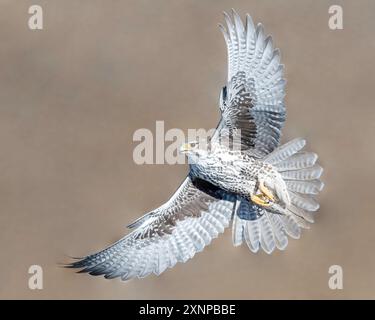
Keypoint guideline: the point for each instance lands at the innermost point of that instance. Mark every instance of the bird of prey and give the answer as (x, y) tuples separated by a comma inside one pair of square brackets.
[(266, 190)]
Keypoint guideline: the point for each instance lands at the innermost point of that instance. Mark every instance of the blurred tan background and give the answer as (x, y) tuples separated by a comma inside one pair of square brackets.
[(73, 94)]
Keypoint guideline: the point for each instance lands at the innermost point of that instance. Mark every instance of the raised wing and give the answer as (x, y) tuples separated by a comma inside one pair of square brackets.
[(173, 233), (253, 99)]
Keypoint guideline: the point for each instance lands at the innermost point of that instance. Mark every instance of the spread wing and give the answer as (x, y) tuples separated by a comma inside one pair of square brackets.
[(172, 233), (253, 99)]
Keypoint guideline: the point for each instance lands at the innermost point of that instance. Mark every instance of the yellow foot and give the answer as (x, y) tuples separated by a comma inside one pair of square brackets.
[(266, 191), (260, 200)]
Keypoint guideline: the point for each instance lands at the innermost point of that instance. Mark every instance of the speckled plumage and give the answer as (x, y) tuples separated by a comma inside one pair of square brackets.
[(233, 171), (221, 181)]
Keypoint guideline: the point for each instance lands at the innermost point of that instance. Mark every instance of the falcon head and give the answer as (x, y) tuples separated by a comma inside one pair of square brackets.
[(189, 146), (194, 150), (192, 147)]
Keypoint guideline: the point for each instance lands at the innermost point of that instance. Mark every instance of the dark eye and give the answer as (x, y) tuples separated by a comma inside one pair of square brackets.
[(193, 144)]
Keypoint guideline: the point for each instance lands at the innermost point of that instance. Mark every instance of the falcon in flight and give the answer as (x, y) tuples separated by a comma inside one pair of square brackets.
[(266, 190)]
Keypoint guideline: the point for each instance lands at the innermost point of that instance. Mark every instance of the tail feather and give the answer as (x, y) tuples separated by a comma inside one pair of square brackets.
[(280, 236), (306, 215), (305, 187), (252, 235), (301, 222), (267, 238), (300, 160), (237, 230), (267, 232), (301, 174), (291, 227), (303, 202), (285, 151)]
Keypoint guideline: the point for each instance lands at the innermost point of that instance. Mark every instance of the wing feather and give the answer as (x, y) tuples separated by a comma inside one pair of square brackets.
[(170, 234), (252, 103)]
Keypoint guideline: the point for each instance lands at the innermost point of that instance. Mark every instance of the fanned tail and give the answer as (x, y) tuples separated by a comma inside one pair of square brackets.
[(261, 228), (301, 174)]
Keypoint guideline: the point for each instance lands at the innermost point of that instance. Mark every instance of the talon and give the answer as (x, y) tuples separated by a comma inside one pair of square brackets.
[(266, 191), (258, 199)]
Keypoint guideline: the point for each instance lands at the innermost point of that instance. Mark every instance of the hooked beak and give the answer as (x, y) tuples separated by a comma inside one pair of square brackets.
[(186, 147)]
